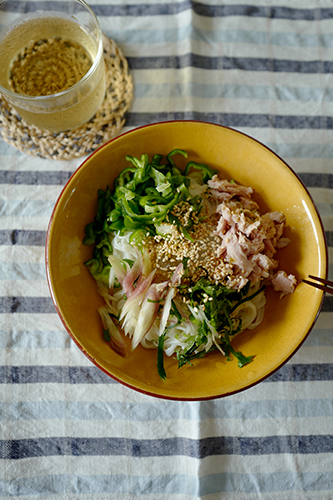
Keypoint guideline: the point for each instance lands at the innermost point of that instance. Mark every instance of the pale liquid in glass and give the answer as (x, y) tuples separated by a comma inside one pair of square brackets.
[(65, 112)]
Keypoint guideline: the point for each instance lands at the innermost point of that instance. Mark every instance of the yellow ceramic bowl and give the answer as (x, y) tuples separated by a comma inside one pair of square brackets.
[(286, 323)]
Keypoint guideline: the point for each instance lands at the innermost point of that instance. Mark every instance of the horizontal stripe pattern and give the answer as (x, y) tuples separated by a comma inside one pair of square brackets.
[(203, 448), (182, 487), (128, 39), (85, 411), (96, 429), (31, 305), (53, 374), (202, 9), (70, 431), (22, 237), (92, 375), (230, 63), (271, 12), (236, 120), (32, 177), (209, 89)]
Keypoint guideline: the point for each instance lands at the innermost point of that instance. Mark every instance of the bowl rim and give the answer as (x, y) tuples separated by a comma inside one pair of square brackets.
[(114, 377)]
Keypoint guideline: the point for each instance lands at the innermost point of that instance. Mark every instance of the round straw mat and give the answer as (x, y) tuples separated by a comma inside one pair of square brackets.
[(104, 125)]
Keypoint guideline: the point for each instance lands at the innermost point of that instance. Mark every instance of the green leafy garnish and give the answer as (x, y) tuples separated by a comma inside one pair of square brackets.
[(219, 304), (160, 357)]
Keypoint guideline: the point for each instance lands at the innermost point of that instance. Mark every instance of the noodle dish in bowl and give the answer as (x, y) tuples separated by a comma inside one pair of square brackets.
[(176, 265)]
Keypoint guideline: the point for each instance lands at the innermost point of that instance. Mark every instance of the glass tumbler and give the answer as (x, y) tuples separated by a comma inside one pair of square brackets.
[(52, 67)]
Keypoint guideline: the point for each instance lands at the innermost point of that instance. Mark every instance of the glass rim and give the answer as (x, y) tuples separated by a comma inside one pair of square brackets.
[(44, 98)]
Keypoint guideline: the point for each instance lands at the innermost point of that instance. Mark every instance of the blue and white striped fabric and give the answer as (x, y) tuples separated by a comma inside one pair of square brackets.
[(68, 432)]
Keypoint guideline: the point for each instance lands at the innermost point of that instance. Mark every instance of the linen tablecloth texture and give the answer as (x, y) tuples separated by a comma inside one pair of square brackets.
[(70, 432)]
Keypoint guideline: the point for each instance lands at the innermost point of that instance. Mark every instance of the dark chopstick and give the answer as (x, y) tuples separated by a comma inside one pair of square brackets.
[(325, 287)]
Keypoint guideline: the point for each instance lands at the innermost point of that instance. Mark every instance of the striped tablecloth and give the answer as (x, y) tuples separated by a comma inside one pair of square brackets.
[(68, 432)]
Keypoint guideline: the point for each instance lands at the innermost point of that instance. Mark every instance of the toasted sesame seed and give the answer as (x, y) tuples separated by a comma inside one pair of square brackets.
[(203, 253)]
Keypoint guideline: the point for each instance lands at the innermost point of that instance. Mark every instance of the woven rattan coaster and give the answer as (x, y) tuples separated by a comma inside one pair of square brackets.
[(106, 123)]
